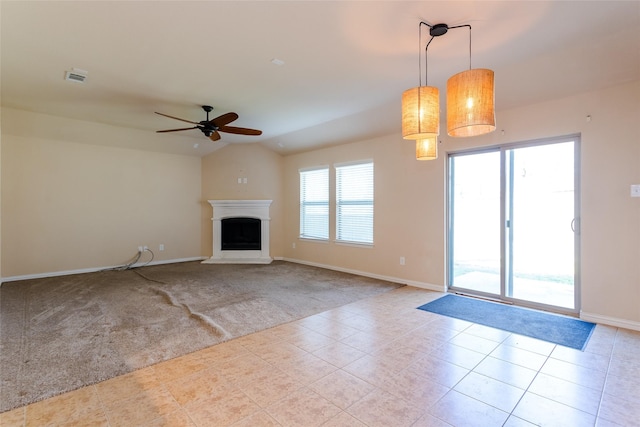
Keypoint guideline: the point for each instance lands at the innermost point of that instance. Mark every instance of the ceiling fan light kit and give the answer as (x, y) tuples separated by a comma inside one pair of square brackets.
[(211, 128), (470, 102)]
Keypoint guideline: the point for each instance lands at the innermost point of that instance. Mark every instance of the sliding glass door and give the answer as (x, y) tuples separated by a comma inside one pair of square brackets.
[(474, 233), (513, 223)]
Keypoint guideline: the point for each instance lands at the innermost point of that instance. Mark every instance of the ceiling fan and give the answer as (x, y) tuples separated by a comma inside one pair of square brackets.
[(210, 128)]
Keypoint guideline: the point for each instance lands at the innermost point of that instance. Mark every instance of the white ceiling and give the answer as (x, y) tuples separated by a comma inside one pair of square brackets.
[(346, 63)]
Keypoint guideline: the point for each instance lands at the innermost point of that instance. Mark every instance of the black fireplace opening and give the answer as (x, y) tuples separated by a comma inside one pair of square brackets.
[(241, 234)]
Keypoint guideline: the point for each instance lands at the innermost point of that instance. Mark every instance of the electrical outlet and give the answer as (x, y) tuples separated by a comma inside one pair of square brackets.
[(293, 245), (140, 249), (146, 248), (635, 190), (401, 260), (161, 247)]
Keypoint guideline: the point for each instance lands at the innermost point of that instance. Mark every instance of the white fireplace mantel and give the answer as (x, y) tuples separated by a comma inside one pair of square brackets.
[(222, 209)]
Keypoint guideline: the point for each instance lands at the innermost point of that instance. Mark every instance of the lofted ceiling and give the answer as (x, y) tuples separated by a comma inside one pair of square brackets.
[(307, 73)]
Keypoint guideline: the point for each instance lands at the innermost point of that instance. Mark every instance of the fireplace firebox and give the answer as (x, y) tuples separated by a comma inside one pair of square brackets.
[(240, 234)]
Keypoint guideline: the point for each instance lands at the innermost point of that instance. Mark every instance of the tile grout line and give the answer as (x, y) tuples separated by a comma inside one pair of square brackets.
[(511, 414), (606, 376)]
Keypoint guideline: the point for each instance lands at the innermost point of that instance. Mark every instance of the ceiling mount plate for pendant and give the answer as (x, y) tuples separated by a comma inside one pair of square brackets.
[(438, 30)]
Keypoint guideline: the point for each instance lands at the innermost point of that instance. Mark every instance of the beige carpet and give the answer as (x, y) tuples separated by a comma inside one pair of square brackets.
[(59, 334)]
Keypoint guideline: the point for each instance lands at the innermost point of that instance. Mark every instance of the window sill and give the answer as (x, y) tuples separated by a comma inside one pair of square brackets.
[(311, 239), (354, 244)]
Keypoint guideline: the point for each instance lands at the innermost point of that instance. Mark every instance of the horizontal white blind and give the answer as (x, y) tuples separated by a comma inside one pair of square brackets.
[(354, 203), (314, 203)]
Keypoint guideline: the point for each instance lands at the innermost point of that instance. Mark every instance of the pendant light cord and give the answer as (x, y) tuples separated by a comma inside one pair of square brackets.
[(426, 67), (469, 46), (426, 64), (462, 26), (419, 53)]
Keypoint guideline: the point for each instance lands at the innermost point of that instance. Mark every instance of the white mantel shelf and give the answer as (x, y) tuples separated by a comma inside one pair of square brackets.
[(222, 209)]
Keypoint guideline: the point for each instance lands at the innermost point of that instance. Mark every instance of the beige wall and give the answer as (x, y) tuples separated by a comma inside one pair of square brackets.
[(263, 170), (68, 206), (410, 200), (408, 213)]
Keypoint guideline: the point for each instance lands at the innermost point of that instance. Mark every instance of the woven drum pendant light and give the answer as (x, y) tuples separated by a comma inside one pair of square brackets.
[(421, 112), (427, 149), (470, 103)]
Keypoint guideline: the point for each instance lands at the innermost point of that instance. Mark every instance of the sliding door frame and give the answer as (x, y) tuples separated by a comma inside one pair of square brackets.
[(506, 182)]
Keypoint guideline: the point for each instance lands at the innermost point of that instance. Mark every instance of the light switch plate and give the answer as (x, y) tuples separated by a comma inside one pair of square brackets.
[(635, 190)]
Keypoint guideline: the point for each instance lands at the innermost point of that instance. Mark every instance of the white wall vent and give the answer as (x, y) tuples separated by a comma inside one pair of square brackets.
[(76, 75)]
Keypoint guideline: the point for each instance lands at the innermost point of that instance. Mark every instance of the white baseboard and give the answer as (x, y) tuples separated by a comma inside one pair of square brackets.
[(423, 285), (611, 321), (93, 270)]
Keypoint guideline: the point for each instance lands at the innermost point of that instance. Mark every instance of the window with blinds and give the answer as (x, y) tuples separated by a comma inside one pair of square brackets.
[(354, 203), (314, 203)]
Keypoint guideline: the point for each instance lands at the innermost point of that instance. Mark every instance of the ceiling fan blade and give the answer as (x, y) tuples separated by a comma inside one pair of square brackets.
[(214, 136), (223, 119), (239, 131), (176, 130), (177, 118)]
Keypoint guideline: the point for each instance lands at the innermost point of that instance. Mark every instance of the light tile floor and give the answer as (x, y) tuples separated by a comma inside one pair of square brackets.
[(376, 362)]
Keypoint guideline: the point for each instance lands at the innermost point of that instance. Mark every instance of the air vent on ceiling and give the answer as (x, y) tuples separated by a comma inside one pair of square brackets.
[(76, 75)]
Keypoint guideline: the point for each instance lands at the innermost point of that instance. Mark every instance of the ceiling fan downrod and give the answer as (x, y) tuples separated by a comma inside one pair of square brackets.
[(206, 131)]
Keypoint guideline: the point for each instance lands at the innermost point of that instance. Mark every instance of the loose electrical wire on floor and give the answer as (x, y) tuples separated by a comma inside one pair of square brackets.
[(132, 264), (148, 278), (129, 265)]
